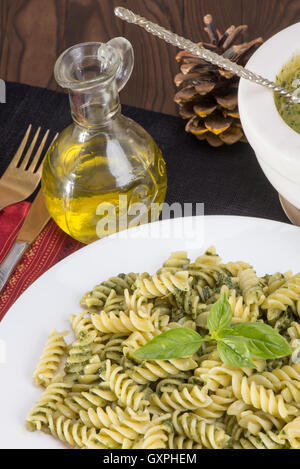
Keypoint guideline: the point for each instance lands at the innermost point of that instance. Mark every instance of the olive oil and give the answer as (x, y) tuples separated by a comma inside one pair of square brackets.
[(104, 172), (83, 188)]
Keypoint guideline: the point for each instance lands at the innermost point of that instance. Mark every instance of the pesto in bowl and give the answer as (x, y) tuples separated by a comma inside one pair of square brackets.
[(289, 77)]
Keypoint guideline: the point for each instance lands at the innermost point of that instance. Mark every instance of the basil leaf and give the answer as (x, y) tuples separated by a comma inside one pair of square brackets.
[(262, 340), (175, 343), (220, 315), (233, 351)]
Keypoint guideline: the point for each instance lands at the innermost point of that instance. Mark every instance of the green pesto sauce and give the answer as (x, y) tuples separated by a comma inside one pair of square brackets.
[(290, 112)]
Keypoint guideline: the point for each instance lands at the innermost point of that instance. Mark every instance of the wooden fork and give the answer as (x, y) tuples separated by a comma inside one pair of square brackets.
[(22, 177)]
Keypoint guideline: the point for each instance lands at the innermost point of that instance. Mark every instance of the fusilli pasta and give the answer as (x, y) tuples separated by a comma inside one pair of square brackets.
[(106, 398), (51, 358)]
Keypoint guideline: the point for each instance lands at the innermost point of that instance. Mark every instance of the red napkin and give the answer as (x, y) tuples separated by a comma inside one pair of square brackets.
[(51, 246)]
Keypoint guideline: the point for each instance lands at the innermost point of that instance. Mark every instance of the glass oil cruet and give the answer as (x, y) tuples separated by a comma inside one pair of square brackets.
[(102, 157)]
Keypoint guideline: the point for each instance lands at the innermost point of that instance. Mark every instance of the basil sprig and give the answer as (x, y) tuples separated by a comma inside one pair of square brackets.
[(237, 344)]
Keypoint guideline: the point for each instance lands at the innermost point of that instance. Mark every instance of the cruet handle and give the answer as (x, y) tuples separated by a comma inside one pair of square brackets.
[(127, 60)]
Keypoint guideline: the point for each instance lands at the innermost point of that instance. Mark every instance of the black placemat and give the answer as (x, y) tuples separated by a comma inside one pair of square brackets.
[(228, 180)]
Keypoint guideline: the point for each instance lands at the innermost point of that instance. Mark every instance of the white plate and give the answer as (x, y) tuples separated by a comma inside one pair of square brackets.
[(269, 246)]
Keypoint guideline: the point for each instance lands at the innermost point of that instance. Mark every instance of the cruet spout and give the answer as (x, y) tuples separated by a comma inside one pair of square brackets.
[(125, 50), (88, 64)]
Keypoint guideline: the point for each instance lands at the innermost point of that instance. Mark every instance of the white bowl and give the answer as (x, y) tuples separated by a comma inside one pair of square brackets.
[(276, 145)]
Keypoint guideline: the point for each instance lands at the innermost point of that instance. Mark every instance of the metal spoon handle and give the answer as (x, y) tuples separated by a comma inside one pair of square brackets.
[(209, 56)]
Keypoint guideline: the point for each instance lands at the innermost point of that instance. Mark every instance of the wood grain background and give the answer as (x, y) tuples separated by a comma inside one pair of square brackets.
[(34, 32)]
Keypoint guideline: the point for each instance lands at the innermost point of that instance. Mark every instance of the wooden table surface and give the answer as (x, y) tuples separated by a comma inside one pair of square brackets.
[(34, 32)]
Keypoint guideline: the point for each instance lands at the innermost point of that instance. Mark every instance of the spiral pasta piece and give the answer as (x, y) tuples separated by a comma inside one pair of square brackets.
[(97, 297), (130, 422), (116, 425), (112, 349), (156, 436), (211, 436), (46, 405), (263, 440), (276, 280), (285, 380), (113, 302), (137, 339), (114, 438), (126, 390), (261, 398), (138, 304), (232, 428), (294, 330), (89, 374), (220, 401), (205, 294), (177, 261), (287, 296), (69, 431), (120, 323), (159, 315), (214, 374), (162, 284), (163, 306), (154, 370), (80, 352), (210, 257), (50, 360), (210, 276), (255, 421), (74, 402), (235, 267), (240, 311), (190, 303), (182, 400), (251, 287), (82, 325)]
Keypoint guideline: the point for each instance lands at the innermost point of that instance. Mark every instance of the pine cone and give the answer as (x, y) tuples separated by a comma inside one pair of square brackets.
[(207, 95)]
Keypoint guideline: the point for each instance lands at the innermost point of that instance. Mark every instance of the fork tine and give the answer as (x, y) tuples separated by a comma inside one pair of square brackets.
[(30, 150), (40, 168), (34, 163), (14, 162)]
